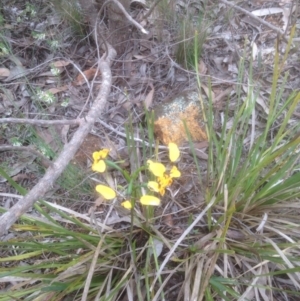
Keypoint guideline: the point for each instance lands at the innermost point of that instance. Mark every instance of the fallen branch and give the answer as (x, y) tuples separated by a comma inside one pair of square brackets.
[(41, 122), (68, 152)]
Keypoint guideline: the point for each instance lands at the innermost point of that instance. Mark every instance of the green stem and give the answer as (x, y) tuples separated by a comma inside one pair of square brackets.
[(125, 174)]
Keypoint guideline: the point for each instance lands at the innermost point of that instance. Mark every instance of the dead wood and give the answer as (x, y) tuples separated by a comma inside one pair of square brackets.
[(40, 122)]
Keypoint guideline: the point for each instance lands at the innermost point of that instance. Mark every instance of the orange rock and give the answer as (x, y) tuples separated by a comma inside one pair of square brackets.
[(171, 115)]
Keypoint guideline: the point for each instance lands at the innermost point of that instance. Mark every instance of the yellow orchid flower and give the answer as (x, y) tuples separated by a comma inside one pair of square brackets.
[(174, 172), (165, 181), (99, 164), (106, 192), (149, 200), (126, 204), (158, 169), (162, 190), (174, 152), (102, 154), (152, 185)]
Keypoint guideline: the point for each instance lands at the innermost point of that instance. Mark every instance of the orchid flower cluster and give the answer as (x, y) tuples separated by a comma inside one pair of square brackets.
[(163, 177)]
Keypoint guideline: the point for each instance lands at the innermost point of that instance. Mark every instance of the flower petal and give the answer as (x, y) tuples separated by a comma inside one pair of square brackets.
[(174, 172), (158, 169), (152, 185), (174, 152), (150, 200), (104, 152), (165, 181), (126, 204), (106, 192), (99, 166), (96, 156), (162, 191)]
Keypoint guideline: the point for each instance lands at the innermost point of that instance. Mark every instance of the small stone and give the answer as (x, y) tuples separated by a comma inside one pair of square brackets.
[(171, 115)]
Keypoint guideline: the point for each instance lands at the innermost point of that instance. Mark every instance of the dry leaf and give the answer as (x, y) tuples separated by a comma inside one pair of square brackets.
[(60, 64), (57, 90), (202, 67), (259, 100), (254, 51), (266, 11), (88, 75), (149, 98), (208, 92), (168, 220), (16, 72), (177, 230), (157, 247), (99, 201), (4, 72)]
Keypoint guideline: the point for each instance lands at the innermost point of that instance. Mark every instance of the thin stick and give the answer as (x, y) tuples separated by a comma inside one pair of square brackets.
[(128, 17), (41, 122)]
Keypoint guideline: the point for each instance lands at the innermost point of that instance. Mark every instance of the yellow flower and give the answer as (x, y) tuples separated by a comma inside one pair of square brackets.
[(99, 164), (162, 190), (156, 168), (126, 204), (152, 185), (174, 172), (174, 152), (149, 200), (106, 192), (163, 183), (163, 179), (101, 154)]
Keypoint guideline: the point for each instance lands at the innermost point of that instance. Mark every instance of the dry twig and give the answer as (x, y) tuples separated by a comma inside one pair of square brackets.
[(126, 14), (41, 122)]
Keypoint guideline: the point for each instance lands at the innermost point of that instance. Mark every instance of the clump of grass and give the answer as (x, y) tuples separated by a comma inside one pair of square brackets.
[(79, 256), (251, 248), (57, 258), (188, 36), (186, 25), (71, 12)]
